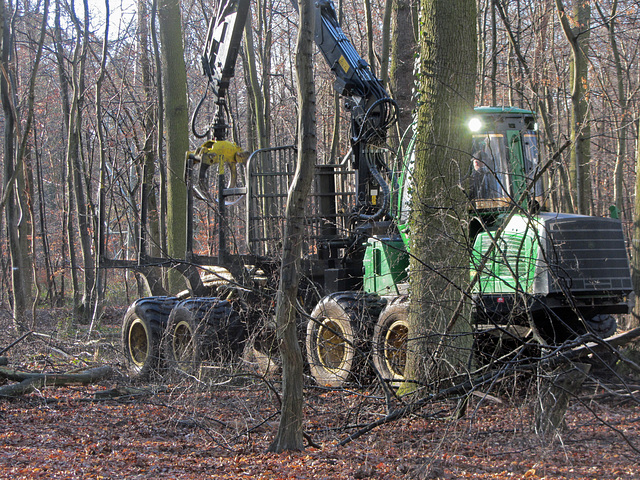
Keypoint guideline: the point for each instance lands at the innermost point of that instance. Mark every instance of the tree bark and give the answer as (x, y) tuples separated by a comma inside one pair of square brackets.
[(258, 99), (16, 186), (335, 131), (177, 130), (578, 38), (371, 54), (386, 42), (635, 245), (67, 253), (290, 435), (554, 392), (149, 152), (100, 274), (621, 121), (76, 182), (403, 50), (439, 253)]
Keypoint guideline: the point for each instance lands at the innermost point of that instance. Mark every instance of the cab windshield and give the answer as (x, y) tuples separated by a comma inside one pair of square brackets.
[(490, 168)]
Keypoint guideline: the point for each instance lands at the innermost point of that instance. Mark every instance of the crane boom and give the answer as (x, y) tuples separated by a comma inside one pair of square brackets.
[(372, 109)]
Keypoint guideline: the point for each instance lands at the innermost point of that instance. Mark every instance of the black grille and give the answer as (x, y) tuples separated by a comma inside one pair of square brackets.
[(586, 254)]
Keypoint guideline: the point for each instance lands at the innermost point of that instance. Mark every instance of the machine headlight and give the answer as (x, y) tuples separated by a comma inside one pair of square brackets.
[(475, 124)]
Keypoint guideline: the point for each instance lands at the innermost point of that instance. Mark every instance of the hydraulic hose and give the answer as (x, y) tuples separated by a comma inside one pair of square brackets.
[(384, 190)]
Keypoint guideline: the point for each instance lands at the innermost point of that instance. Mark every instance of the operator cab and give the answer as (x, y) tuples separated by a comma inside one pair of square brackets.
[(504, 159)]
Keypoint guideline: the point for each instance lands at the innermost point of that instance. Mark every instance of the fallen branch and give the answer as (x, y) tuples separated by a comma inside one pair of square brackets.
[(605, 345), (28, 382), (6, 349), (465, 388)]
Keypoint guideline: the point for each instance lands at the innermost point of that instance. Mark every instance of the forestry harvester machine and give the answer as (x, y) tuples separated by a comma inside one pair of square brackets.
[(534, 273)]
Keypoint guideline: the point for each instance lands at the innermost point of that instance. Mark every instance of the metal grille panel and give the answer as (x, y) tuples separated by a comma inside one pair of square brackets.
[(269, 174)]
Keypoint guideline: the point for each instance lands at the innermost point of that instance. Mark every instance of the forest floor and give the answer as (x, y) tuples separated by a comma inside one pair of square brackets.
[(222, 428)]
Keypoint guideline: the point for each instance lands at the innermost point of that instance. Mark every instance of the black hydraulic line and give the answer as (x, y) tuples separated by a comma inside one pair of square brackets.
[(194, 117)]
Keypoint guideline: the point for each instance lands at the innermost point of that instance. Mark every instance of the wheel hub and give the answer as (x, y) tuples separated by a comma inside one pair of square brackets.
[(182, 343), (138, 342), (331, 344), (395, 347)]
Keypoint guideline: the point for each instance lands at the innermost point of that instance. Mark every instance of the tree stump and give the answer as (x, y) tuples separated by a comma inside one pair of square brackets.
[(554, 393)]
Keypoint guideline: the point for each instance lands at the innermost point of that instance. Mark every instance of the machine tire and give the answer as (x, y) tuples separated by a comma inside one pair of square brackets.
[(390, 342), (142, 329), (336, 336), (201, 329), (602, 325)]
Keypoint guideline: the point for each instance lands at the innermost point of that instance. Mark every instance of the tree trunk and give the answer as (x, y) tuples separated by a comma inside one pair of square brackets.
[(289, 436), (177, 130), (371, 54), (635, 245), (153, 244), (100, 273), (555, 390), (621, 121), (386, 42), (335, 135), (439, 252), (258, 99), (76, 181), (15, 184), (578, 38), (403, 49), (162, 164), (67, 254)]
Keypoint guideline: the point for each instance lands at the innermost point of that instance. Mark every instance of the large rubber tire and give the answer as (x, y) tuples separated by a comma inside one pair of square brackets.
[(602, 325), (390, 341), (201, 329), (142, 329), (337, 337)]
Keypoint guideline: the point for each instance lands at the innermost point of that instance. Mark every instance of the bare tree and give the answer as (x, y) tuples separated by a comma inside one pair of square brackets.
[(14, 180), (78, 190), (289, 436), (447, 80), (578, 38)]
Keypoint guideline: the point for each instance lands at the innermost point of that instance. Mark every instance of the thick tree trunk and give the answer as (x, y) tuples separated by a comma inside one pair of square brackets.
[(439, 252), (177, 130), (555, 390), (289, 436)]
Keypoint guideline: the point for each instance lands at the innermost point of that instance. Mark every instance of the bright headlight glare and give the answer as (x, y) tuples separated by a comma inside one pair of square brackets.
[(475, 124)]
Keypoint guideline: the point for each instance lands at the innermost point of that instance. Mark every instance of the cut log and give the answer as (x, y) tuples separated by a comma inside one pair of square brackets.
[(28, 382)]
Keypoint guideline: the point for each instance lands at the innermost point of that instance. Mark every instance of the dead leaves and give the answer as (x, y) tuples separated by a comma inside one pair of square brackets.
[(189, 434)]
